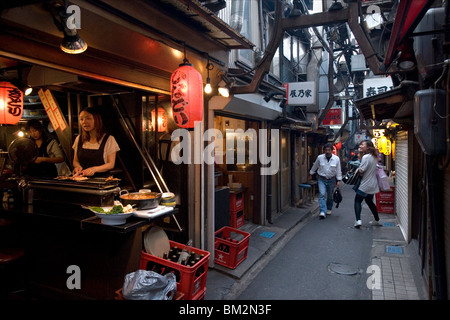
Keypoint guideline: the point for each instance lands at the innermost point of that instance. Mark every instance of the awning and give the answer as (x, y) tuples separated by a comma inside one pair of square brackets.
[(409, 13), (396, 104)]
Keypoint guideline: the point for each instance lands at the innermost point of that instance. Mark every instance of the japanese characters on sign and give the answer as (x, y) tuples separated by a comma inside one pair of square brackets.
[(375, 86), (300, 93), (333, 117)]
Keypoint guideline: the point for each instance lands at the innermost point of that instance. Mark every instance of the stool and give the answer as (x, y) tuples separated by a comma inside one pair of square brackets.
[(305, 190), (313, 185)]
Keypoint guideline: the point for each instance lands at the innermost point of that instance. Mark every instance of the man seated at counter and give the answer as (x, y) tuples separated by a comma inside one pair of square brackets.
[(49, 152), (94, 149)]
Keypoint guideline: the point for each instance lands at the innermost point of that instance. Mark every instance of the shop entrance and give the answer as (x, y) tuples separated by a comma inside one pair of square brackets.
[(236, 174)]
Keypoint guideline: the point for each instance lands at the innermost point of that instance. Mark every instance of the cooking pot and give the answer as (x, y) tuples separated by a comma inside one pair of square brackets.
[(140, 200)]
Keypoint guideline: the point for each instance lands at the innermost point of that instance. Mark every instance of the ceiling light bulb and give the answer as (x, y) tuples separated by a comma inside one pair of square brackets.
[(208, 88), (28, 91)]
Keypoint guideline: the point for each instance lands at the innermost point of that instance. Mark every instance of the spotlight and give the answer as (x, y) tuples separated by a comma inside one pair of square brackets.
[(223, 90), (72, 42), (269, 96)]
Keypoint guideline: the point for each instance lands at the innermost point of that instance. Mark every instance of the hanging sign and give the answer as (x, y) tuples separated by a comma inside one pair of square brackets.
[(375, 86), (333, 117), (300, 93), (53, 111), (11, 103)]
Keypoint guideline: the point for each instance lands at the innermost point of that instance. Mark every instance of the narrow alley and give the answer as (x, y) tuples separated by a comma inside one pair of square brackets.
[(331, 260)]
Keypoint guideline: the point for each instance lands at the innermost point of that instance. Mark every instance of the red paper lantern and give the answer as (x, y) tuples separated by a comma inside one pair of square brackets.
[(11, 103), (186, 91), (161, 121), (338, 145)]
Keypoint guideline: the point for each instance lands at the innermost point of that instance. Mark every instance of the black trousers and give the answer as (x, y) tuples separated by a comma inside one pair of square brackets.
[(369, 200)]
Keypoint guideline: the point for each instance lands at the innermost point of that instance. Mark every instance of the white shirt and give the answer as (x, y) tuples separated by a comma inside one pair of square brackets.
[(111, 146), (369, 182), (327, 168)]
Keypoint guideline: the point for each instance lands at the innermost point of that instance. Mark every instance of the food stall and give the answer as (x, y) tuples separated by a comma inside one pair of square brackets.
[(59, 231)]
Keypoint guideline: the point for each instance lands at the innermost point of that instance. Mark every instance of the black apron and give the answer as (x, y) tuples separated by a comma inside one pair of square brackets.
[(92, 158), (43, 169)]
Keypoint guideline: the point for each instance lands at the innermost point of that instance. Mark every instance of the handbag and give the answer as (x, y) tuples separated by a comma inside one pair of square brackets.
[(337, 197), (383, 182), (357, 181)]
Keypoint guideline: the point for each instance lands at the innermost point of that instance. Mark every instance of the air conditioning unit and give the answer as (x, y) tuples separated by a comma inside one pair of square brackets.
[(429, 120)]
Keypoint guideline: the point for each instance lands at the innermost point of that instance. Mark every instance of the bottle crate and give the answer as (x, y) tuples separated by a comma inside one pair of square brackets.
[(237, 218), (231, 246), (386, 195), (236, 201), (191, 280)]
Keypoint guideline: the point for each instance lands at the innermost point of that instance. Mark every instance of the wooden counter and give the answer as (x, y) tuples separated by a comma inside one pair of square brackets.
[(57, 236)]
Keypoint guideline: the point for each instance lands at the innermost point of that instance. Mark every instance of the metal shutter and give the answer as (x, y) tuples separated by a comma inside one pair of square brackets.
[(402, 203)]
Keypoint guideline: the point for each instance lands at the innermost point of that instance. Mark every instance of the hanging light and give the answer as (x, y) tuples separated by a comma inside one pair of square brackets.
[(208, 88), (186, 91), (11, 103), (382, 144)]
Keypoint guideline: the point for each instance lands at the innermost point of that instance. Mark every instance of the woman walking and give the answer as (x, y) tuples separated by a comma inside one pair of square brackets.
[(369, 184)]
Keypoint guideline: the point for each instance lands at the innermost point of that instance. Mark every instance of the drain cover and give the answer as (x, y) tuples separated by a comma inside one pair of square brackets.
[(343, 269)]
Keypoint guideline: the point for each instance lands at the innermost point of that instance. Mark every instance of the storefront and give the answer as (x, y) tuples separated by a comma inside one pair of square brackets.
[(125, 72)]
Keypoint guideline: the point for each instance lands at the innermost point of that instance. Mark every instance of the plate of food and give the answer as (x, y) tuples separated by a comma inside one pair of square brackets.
[(114, 215)]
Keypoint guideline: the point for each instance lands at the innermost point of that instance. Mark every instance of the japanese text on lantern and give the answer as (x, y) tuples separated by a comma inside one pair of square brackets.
[(179, 97)]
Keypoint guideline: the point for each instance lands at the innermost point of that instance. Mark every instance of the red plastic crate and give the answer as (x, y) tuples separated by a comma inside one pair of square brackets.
[(236, 201), (237, 218), (237, 251), (191, 284), (385, 207), (386, 195)]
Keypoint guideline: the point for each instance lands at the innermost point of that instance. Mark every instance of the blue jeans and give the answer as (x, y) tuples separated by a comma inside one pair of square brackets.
[(326, 188)]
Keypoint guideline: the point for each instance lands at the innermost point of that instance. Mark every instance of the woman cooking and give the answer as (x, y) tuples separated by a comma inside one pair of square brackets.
[(49, 153), (94, 150)]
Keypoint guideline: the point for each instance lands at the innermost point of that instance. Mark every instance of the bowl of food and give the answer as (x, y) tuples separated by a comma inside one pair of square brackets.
[(113, 216), (140, 200)]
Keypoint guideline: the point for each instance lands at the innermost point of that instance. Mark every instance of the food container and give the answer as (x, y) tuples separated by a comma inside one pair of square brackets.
[(140, 200), (168, 199)]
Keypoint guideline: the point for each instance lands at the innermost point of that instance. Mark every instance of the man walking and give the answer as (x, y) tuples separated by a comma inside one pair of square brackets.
[(328, 167)]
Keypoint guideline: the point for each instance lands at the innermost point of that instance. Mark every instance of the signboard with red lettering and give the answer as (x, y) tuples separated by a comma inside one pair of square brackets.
[(333, 117)]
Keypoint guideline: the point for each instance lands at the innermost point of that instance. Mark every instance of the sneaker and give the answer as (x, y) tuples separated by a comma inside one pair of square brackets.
[(358, 224), (375, 223), (328, 212), (322, 215)]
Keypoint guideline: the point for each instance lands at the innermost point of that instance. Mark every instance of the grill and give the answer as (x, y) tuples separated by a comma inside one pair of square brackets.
[(93, 191)]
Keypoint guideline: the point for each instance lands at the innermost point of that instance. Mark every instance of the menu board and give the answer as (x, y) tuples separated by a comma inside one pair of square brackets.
[(53, 111)]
